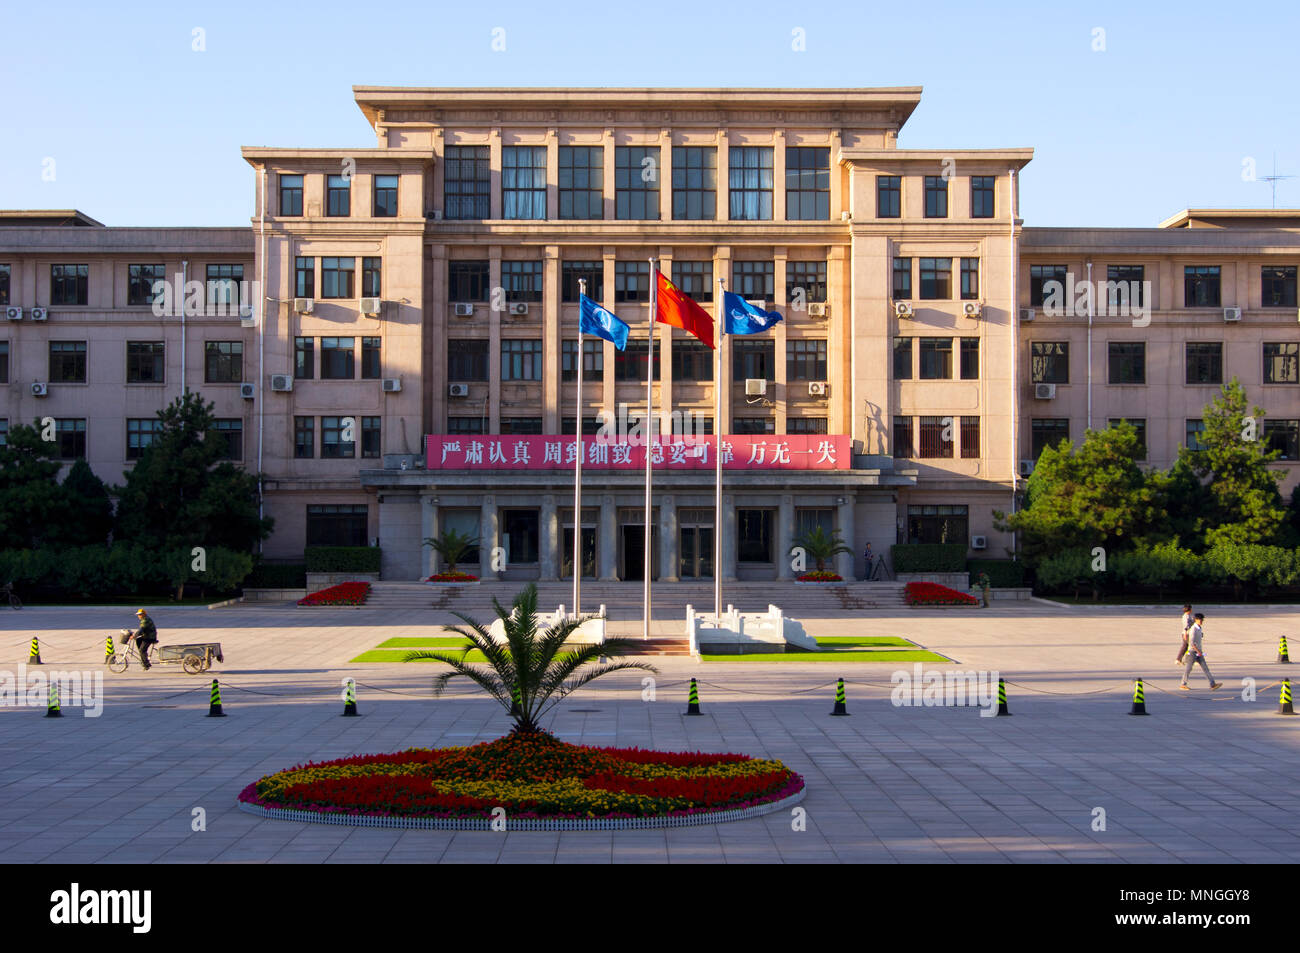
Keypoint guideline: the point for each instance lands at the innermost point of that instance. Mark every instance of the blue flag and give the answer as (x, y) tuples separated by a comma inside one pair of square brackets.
[(593, 319), (743, 318)]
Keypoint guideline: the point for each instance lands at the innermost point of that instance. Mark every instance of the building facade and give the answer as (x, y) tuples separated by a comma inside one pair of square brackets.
[(388, 303)]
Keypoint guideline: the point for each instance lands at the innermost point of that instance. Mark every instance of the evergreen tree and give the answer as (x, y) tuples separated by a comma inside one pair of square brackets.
[(90, 511), (33, 507)]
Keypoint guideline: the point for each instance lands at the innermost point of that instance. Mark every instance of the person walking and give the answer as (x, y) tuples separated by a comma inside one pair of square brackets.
[(1195, 655), (1187, 624)]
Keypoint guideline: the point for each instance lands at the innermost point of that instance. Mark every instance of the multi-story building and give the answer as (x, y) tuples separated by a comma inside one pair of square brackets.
[(405, 304)]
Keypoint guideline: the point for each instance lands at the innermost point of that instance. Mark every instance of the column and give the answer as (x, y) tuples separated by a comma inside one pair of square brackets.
[(728, 529), (845, 562), (607, 543), (785, 538), (552, 412), (784, 396), (549, 543), (668, 561), (487, 533), (778, 176), (494, 341), (428, 530)]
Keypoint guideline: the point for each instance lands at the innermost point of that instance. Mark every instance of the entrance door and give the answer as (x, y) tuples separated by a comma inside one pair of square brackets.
[(633, 542), (695, 543), (588, 552)]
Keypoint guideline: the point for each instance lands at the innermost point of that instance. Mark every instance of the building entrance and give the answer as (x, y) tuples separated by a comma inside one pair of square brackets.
[(695, 544)]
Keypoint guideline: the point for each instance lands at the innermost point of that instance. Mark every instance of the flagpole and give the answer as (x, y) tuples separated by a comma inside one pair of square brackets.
[(721, 312), (650, 403), (577, 469)]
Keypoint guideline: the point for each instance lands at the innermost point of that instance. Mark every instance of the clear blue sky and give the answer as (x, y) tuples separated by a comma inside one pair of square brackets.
[(143, 130)]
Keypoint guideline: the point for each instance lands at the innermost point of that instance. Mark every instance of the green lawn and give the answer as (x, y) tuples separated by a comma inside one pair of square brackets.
[(422, 642), (833, 655), (866, 641)]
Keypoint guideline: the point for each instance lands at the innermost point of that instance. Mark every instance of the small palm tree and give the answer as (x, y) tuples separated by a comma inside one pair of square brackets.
[(452, 546), (821, 545), (528, 675)]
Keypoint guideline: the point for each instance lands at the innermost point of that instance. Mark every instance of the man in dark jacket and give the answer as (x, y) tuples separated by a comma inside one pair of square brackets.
[(145, 637)]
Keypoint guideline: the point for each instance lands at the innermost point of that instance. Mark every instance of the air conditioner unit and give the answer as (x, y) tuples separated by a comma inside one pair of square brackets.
[(457, 390), (972, 309), (303, 305), (817, 309), (391, 385), (816, 388), (40, 314), (435, 214), (518, 307), (281, 383), (1044, 392), (14, 314), (248, 391), (464, 310), (40, 389), (979, 542), (902, 309), (1026, 467), (1026, 314), (1231, 314), (755, 386), (370, 306)]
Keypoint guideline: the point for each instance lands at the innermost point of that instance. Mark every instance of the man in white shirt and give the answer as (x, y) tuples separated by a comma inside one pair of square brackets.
[(1194, 653), (1187, 624)]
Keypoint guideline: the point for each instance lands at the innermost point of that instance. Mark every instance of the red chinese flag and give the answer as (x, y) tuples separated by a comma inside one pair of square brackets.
[(675, 308)]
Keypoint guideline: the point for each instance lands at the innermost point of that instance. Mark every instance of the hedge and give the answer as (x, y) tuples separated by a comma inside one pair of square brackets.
[(928, 557), (277, 576), (95, 572), (343, 558), (1002, 573)]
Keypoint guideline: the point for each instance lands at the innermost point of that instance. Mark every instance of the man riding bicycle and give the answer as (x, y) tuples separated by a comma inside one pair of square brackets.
[(145, 637)]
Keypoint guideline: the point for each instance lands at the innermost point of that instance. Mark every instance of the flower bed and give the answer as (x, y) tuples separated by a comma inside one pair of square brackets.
[(344, 594), (534, 777), (821, 575), (456, 576), (933, 594)]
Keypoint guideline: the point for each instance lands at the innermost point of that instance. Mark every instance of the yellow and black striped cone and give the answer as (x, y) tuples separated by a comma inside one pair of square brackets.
[(1139, 699), (1002, 697), (693, 699), (214, 707), (108, 650), (52, 709), (1285, 708), (34, 657), (350, 700), (840, 707), (515, 707), (1281, 650)]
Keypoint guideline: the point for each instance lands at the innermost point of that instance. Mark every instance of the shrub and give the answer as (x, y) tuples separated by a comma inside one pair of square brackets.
[(343, 558), (1002, 573), (928, 557), (277, 576), (1070, 569)]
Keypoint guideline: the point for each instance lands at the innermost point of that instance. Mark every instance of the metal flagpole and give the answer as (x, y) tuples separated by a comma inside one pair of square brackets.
[(721, 315), (650, 404), (577, 470)]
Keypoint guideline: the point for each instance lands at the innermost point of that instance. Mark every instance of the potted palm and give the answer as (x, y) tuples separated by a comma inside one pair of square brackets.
[(820, 546), (452, 546)]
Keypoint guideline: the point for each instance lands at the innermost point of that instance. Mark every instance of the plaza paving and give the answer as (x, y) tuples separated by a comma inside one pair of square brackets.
[(1206, 778)]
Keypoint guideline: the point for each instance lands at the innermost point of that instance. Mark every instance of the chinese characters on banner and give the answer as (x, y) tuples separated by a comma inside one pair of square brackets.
[(554, 452)]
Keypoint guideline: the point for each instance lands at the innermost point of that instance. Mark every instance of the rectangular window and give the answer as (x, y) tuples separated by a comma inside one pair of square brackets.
[(692, 361), (753, 425), (230, 431), (695, 183), (1039, 277), (467, 182), (590, 426), (694, 278), (593, 360), (338, 359), (805, 360), (4, 431), (981, 196), (810, 276), (1284, 437), (523, 182), (467, 360), (630, 363), (145, 362), (936, 196), (970, 359), (936, 359), (467, 426), (807, 184), (338, 196), (370, 443), (304, 358), (631, 281), (337, 277), (1048, 432), (755, 530), (4, 362), (521, 425), (970, 279), (139, 434), (370, 350), (140, 283), (384, 200), (333, 430), (4, 286), (1204, 362), (582, 182), (753, 359), (695, 424), (1201, 286), (805, 425), (571, 272), (468, 280), (372, 277), (522, 280), (1280, 363), (1049, 362), (223, 362), (938, 524), (903, 441), (304, 437), (1192, 435), (936, 279), (1140, 426), (936, 437), (889, 196), (754, 280), (970, 438), (1278, 286), (70, 438), (67, 362), (749, 178), (902, 289), (521, 360), (636, 183), (69, 284), (521, 530), (334, 524), (223, 289), (902, 359), (290, 195), (1124, 285), (1127, 362), (304, 277)]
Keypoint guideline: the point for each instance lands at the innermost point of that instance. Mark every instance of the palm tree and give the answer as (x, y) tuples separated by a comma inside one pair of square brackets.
[(452, 546), (820, 545), (528, 675)]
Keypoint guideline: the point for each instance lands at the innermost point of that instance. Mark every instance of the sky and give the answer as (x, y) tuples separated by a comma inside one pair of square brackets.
[(1135, 110)]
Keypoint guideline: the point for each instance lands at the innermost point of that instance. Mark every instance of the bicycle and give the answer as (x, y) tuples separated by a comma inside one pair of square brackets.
[(14, 601)]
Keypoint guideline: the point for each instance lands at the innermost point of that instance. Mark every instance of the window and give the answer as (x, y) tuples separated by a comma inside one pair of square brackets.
[(304, 437), (902, 279), (1204, 361), (1127, 362), (631, 281), (630, 363), (370, 349), (754, 535), (70, 438), (936, 279), (1283, 436), (290, 195), (1201, 286), (144, 362), (67, 362), (937, 437), (590, 426), (582, 182), (1138, 425), (805, 425), (1039, 276), (692, 361), (970, 279), (4, 286), (370, 444), (468, 280), (337, 277), (889, 194), (4, 431), (333, 431), (753, 359), (521, 425), (970, 438), (522, 280), (903, 442), (808, 275), (338, 196), (1192, 435), (523, 182), (807, 184), (805, 360), (808, 518), (692, 424), (1049, 362), (304, 358), (140, 282), (384, 201), (593, 360), (466, 426), (754, 280), (467, 360), (139, 434), (337, 359), (694, 278), (223, 362), (229, 430), (695, 183), (1280, 363), (981, 196), (936, 359), (521, 360), (970, 359), (636, 183), (467, 182), (372, 277), (902, 359), (520, 529), (936, 196), (223, 287), (749, 178), (69, 284), (4, 362), (334, 524), (1048, 432), (304, 277), (753, 425), (1124, 286), (1278, 286), (571, 272), (937, 524)]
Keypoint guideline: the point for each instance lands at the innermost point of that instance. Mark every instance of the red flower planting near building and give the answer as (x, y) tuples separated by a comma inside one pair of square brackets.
[(456, 576), (344, 594), (933, 594), (821, 575)]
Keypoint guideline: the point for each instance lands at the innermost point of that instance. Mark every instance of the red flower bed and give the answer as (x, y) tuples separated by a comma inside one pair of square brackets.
[(933, 594), (344, 594), (456, 576), (821, 575)]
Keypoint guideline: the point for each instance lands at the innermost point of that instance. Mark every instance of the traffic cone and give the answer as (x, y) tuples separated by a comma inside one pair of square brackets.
[(1002, 697), (52, 709), (108, 650), (1139, 699), (1285, 707), (350, 699), (840, 707), (214, 707), (34, 658), (1281, 650), (693, 700), (515, 707)]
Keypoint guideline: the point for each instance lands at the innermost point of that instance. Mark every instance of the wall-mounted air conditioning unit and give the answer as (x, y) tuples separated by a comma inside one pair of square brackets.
[(1026, 467), (303, 305), (902, 309), (755, 386), (248, 390), (435, 214), (281, 383), (40, 314), (40, 389), (391, 385), (1026, 314), (370, 306), (464, 310), (979, 542), (816, 388), (13, 314), (972, 309), (1231, 314), (519, 307), (457, 390), (1044, 392), (817, 309)]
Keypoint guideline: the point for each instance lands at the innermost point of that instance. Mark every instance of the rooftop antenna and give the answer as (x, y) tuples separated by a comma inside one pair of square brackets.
[(1274, 179)]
